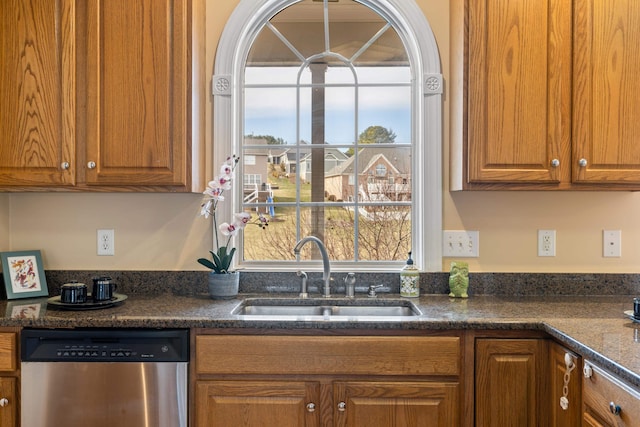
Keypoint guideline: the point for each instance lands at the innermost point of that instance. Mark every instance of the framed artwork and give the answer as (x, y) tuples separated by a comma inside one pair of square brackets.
[(23, 274)]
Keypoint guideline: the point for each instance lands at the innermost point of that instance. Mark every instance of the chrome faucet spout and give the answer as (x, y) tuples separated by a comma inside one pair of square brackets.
[(326, 273)]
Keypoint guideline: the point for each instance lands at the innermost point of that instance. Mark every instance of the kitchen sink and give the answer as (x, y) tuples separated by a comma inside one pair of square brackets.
[(326, 309)]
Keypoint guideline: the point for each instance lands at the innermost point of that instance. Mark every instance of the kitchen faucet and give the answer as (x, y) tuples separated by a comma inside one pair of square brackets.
[(326, 273)]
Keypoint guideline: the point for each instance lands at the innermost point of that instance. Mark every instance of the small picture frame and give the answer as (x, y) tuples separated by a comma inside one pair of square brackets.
[(23, 274)]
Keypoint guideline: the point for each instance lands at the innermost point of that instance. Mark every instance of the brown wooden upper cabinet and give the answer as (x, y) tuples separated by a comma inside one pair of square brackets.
[(100, 95), (548, 95)]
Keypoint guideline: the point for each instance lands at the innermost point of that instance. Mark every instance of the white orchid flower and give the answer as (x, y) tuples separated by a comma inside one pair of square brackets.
[(242, 218), (228, 229)]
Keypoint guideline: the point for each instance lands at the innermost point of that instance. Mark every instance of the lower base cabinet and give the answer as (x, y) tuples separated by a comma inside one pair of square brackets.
[(373, 381), (511, 386), (566, 381), (354, 403), (9, 366), (607, 402), (382, 404), (257, 403), (8, 402)]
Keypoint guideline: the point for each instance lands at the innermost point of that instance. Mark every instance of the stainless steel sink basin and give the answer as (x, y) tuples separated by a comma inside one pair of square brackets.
[(323, 309)]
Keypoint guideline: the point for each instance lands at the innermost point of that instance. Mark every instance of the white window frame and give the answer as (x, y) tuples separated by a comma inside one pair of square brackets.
[(412, 27)]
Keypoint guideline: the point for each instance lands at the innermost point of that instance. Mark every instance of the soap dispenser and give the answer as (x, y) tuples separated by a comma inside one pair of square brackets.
[(410, 280)]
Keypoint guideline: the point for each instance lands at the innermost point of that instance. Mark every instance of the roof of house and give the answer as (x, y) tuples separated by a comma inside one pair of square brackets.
[(398, 157)]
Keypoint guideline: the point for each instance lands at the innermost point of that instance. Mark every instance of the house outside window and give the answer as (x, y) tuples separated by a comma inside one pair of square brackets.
[(312, 74)]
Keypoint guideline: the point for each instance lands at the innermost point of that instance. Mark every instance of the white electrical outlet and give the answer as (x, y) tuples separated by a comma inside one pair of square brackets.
[(463, 244), (106, 242), (612, 243), (546, 242)]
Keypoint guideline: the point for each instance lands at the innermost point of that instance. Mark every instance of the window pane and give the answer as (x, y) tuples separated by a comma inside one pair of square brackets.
[(271, 112), (384, 233), (373, 185), (387, 107)]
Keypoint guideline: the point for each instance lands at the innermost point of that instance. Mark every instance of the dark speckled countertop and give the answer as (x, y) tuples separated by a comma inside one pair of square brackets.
[(593, 326)]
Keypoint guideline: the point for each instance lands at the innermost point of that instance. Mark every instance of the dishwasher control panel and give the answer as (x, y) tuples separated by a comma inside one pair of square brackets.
[(104, 345)]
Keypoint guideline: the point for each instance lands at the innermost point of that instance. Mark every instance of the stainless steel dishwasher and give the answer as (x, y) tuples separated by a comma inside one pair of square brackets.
[(104, 377)]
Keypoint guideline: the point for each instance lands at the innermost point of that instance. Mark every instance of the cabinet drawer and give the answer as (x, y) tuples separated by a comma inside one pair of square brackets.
[(602, 389), (361, 355), (8, 351)]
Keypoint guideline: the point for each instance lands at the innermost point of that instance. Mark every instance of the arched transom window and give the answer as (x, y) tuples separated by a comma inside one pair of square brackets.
[(327, 103)]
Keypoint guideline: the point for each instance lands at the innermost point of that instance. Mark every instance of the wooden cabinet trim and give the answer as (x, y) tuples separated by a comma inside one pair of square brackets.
[(291, 355)]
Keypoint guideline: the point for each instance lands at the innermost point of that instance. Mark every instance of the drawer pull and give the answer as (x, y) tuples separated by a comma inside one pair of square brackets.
[(4, 402), (311, 407), (615, 409)]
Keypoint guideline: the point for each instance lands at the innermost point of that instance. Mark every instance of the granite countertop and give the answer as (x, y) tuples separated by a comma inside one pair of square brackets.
[(594, 327)]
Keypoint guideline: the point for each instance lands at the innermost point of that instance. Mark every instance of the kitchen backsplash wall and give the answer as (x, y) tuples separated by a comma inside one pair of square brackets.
[(163, 232), (194, 283)]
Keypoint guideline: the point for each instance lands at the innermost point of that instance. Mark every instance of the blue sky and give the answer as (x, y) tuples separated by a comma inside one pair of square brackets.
[(272, 110)]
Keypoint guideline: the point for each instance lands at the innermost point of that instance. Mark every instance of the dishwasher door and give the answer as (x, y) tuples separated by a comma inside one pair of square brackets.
[(104, 378), (111, 394)]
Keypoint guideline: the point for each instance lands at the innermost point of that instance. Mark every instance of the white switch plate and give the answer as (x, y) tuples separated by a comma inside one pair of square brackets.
[(612, 243), (546, 242), (106, 242), (462, 244)]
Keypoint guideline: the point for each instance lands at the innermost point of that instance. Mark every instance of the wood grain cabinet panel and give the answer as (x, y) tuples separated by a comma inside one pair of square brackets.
[(9, 396), (511, 382), (606, 95), (396, 404), (607, 401), (138, 100), (571, 416), (281, 380), (257, 403), (519, 86), (37, 93), (546, 95), (101, 95)]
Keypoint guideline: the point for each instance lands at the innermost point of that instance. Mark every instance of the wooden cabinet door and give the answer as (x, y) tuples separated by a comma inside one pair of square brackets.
[(37, 88), (257, 403), (511, 386), (519, 91), (138, 85), (8, 411), (396, 404), (570, 417), (606, 92)]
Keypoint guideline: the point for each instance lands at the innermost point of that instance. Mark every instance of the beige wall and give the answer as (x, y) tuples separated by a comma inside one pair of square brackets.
[(4, 222), (164, 231)]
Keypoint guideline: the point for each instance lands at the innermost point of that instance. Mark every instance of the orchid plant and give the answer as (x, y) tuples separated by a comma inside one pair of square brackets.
[(223, 255)]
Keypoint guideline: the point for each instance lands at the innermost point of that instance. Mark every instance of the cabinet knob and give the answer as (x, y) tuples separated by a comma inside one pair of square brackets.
[(587, 371), (64, 165), (4, 402), (91, 165), (555, 163), (311, 407), (342, 406), (615, 409), (582, 162)]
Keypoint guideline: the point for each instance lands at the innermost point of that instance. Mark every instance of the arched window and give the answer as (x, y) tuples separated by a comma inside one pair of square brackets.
[(341, 91)]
